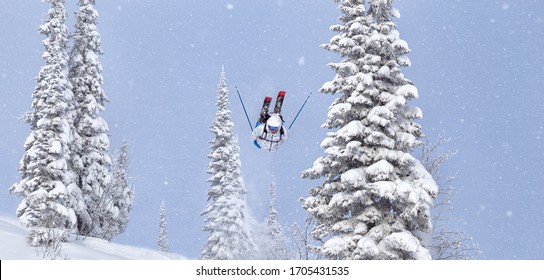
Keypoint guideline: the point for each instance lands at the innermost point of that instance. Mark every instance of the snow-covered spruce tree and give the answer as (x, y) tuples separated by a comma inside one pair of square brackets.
[(48, 183), (118, 196), (272, 244), (376, 198), (163, 230), (124, 194), (94, 163), (226, 216)]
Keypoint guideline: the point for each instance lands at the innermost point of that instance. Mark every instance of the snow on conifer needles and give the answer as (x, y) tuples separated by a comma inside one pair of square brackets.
[(67, 184), (376, 198), (226, 216)]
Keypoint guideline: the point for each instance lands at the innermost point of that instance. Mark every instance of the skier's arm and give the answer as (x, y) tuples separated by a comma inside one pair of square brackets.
[(285, 135), (257, 132), (255, 135)]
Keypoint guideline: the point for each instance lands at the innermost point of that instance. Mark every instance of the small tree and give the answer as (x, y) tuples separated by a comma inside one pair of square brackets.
[(117, 198), (51, 249), (124, 195), (163, 230), (446, 243), (303, 241), (272, 244)]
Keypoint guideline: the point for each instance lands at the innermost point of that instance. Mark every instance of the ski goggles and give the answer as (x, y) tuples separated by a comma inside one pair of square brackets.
[(273, 128)]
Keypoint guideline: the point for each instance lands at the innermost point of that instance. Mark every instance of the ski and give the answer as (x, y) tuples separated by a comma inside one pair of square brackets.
[(264, 110), (279, 102)]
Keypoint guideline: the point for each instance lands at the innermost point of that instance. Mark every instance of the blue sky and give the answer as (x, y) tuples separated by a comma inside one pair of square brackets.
[(477, 65)]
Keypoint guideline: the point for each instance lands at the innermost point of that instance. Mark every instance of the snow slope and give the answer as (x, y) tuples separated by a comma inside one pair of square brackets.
[(13, 247)]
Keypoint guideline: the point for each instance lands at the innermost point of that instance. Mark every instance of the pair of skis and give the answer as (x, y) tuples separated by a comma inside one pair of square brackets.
[(266, 105)]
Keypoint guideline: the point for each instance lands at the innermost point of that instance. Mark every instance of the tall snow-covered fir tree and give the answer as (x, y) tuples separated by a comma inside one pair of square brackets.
[(94, 163), (376, 197), (272, 242), (226, 217), (162, 241), (48, 184)]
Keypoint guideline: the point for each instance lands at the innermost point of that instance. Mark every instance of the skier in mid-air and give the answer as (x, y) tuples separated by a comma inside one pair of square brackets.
[(269, 131), (270, 134)]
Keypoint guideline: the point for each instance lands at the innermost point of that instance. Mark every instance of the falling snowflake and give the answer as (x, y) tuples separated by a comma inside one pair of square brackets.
[(301, 61)]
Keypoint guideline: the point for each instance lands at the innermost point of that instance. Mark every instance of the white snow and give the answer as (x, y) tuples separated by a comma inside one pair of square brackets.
[(357, 27), (380, 115), (335, 246), (13, 246), (384, 71), (412, 112), (395, 13), (351, 130), (56, 147), (400, 45), (339, 109), (403, 60), (380, 170), (408, 91), (346, 42), (367, 79), (353, 177), (406, 243)]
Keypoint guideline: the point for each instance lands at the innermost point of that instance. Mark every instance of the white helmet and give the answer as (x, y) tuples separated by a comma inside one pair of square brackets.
[(274, 123)]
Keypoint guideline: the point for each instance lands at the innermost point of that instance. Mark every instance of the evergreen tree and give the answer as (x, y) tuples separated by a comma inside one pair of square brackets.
[(48, 184), (272, 244), (117, 198), (226, 216), (376, 198), (163, 230), (124, 195), (94, 164)]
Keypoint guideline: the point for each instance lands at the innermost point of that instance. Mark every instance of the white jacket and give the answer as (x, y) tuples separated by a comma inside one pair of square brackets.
[(267, 140)]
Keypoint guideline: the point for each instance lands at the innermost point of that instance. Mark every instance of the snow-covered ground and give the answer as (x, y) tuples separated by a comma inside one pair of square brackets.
[(13, 247)]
